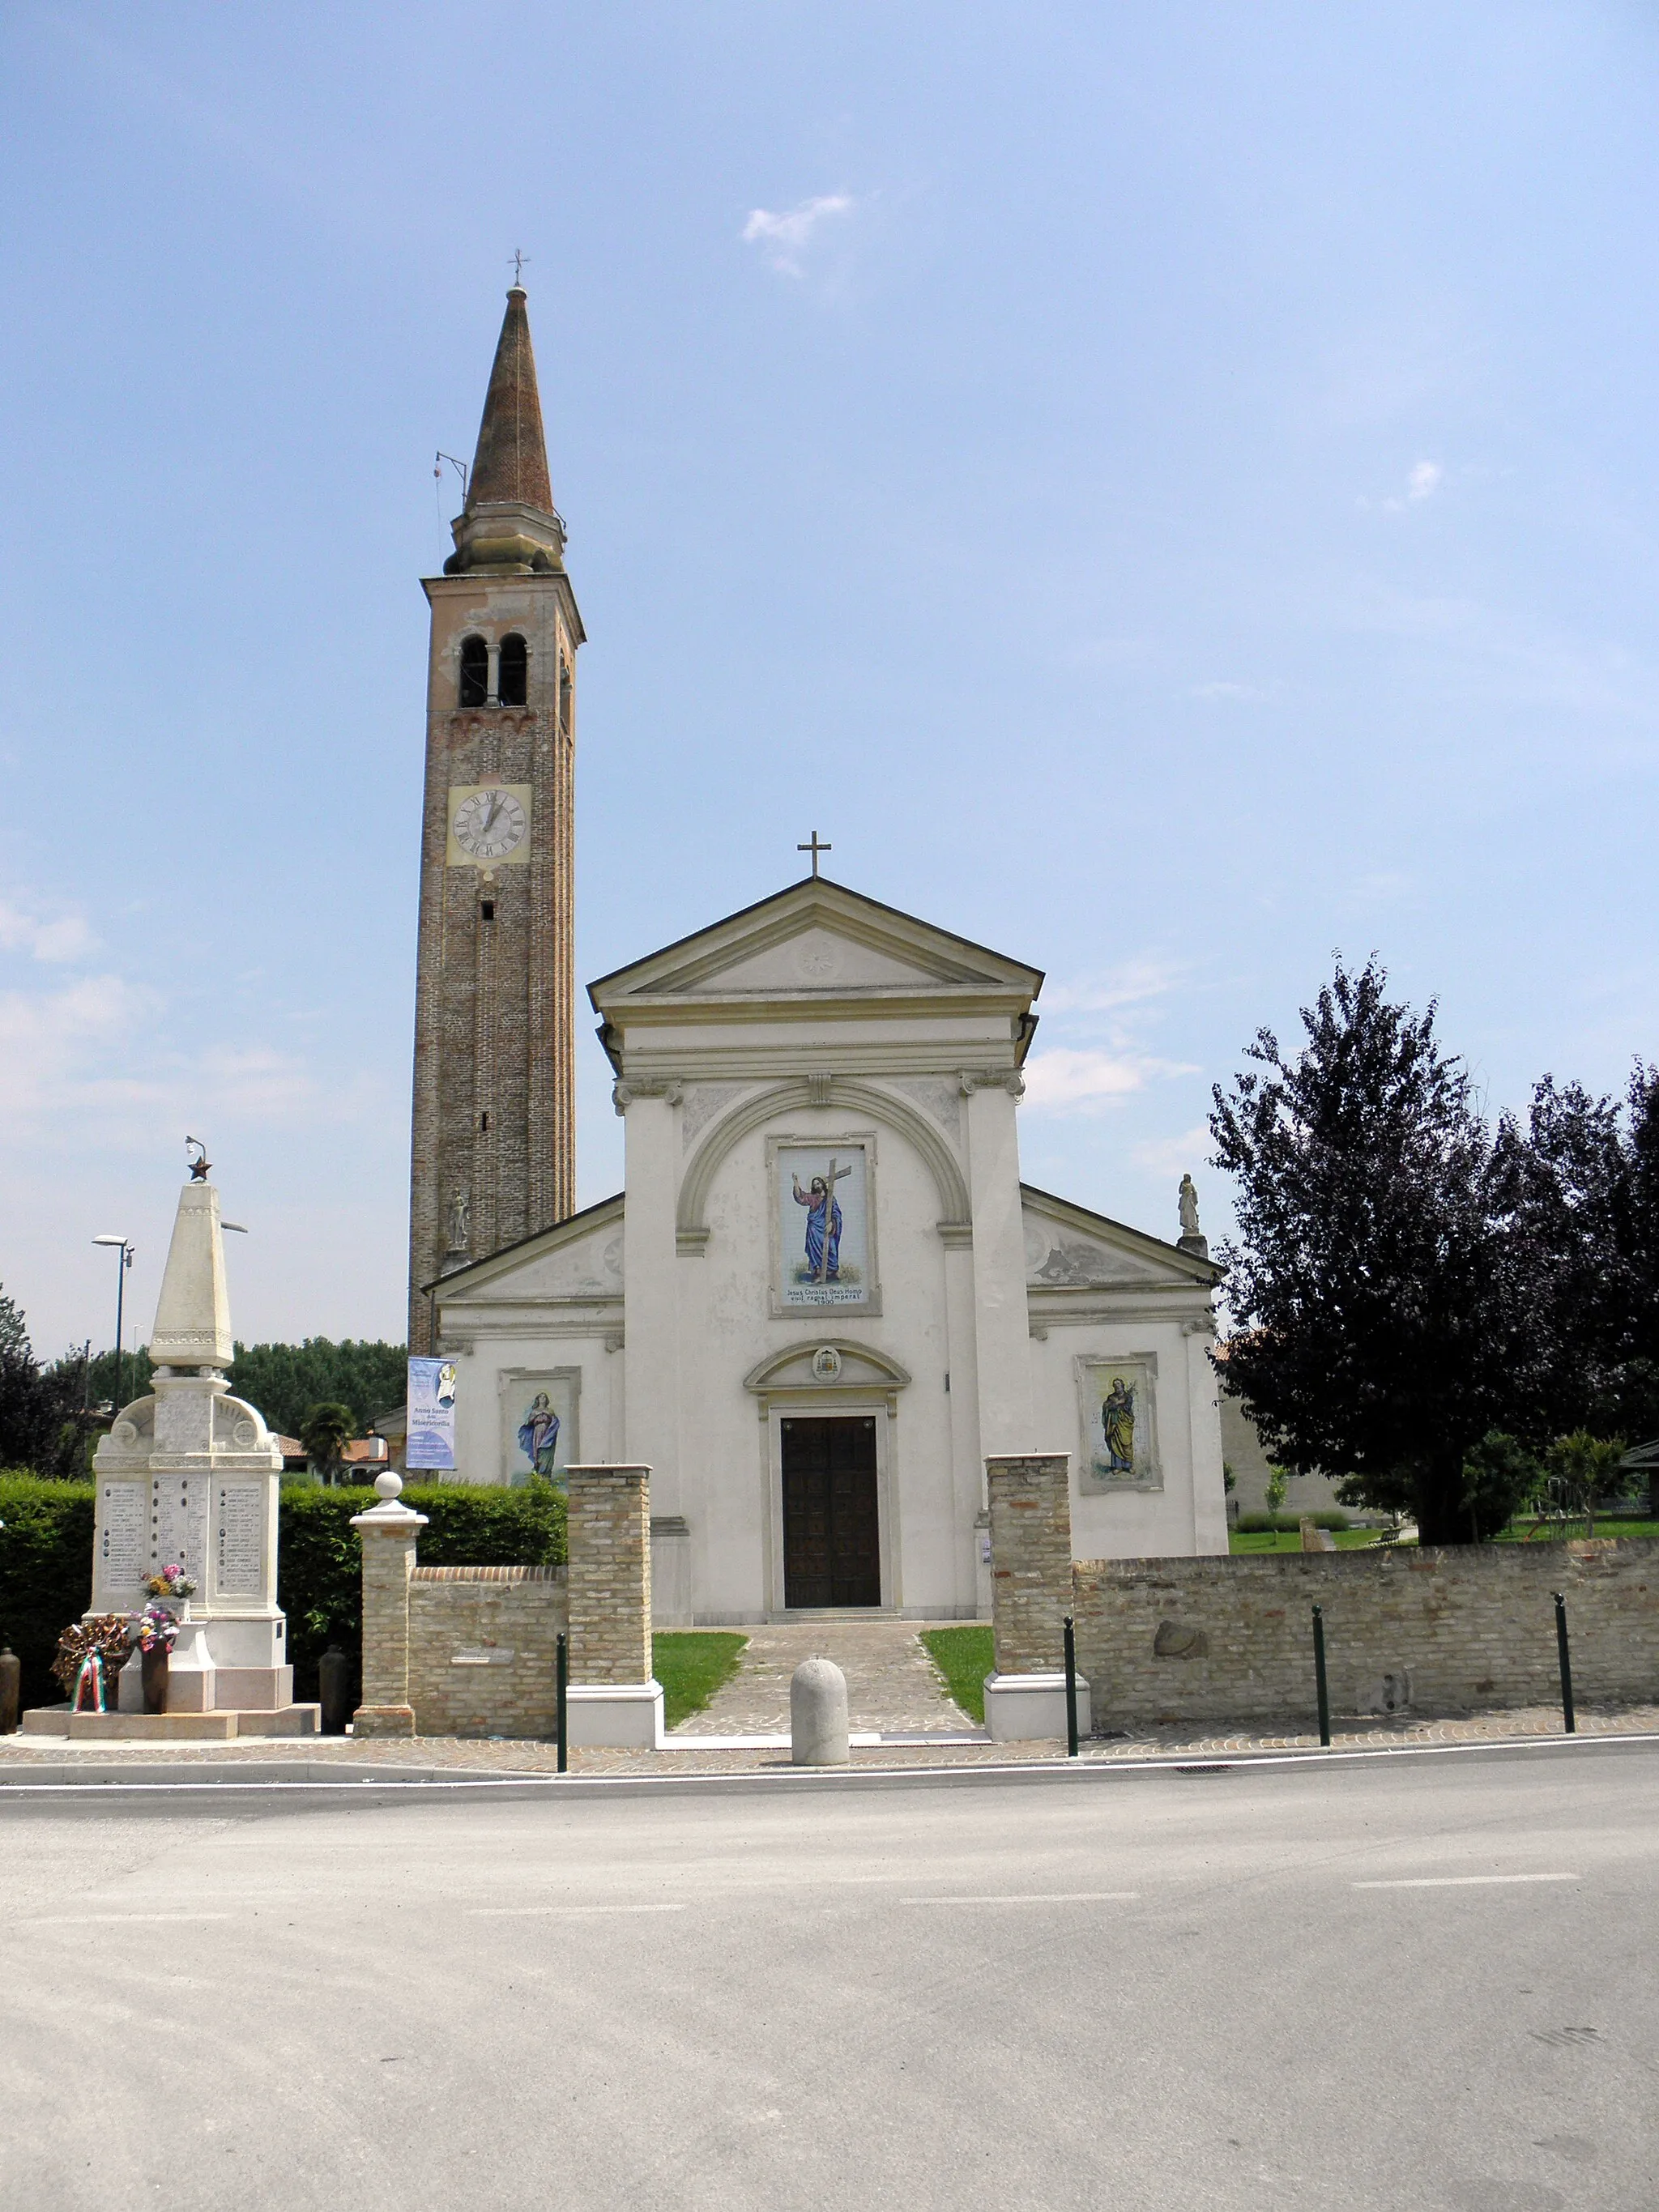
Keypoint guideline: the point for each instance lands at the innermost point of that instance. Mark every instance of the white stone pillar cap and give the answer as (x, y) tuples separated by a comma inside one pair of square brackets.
[(390, 1517)]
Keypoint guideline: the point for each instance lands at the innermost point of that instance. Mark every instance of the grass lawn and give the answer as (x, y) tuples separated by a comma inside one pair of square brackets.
[(963, 1657), (1290, 1539), (1516, 1532), (691, 1665)]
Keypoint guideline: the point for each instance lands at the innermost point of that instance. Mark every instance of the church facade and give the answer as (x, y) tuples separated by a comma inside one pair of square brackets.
[(824, 1295)]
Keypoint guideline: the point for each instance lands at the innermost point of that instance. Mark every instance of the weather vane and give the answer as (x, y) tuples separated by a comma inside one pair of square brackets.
[(201, 1165)]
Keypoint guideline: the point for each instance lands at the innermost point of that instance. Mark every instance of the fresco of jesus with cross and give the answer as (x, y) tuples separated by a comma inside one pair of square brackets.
[(823, 1222)]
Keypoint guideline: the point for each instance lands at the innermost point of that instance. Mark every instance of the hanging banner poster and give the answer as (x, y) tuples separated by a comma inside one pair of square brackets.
[(431, 1413)]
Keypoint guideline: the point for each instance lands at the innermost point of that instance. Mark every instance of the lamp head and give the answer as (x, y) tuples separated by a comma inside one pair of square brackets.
[(109, 1240)]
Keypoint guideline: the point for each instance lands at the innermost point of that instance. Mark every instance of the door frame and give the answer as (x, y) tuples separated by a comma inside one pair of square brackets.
[(856, 1402)]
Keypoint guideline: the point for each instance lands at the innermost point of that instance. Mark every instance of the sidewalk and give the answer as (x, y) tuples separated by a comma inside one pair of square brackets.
[(451, 1756)]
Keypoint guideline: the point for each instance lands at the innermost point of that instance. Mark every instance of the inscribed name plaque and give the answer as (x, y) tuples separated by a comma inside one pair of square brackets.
[(123, 1548), (239, 1540), (178, 1523)]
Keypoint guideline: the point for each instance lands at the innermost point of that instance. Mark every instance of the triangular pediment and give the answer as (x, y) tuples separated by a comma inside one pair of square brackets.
[(580, 1260), (1068, 1248), (816, 940)]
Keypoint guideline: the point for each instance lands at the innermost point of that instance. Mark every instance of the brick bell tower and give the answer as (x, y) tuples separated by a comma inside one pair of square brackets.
[(494, 1138)]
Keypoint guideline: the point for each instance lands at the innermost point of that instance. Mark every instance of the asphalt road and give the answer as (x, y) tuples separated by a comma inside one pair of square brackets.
[(1404, 1981)]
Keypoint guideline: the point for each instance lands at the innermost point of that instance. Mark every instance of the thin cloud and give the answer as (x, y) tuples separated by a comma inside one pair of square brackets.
[(784, 238), (1226, 689), (1065, 1081), (1175, 1156), (1423, 480), (1131, 983), (66, 936)]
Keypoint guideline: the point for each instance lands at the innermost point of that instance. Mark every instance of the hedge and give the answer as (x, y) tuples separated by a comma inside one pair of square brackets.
[(45, 1559)]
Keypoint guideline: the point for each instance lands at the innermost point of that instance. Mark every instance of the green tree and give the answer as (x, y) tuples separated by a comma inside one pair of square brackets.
[(1378, 1324), (1278, 1489), (1582, 1469), (283, 1380), (1500, 1477), (38, 1428), (324, 1431)]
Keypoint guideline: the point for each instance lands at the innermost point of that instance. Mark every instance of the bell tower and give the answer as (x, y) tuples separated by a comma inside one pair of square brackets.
[(495, 1139)]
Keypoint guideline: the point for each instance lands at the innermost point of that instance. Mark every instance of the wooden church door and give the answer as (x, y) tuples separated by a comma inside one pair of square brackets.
[(831, 1534)]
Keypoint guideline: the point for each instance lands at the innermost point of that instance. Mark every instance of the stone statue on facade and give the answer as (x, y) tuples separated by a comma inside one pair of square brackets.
[(459, 1222), (1191, 1239)]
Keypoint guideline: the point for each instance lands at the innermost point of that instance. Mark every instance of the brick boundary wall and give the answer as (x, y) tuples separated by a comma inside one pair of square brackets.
[(609, 1520), (482, 1649), (1030, 1558), (418, 1620), (1472, 1627)]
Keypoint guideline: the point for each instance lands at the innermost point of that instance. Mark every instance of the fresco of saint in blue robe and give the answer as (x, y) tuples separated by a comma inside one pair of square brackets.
[(1117, 1414), (822, 1267), (538, 1435)]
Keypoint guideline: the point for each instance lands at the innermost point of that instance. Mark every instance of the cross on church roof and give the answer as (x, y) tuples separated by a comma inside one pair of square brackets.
[(519, 260), (814, 848)]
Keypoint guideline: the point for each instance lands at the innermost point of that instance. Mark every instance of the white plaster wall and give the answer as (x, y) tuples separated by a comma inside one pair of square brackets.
[(728, 1454), (477, 1399), (1189, 1515)]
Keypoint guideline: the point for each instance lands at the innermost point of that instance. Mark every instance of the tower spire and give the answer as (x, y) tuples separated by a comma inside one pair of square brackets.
[(511, 460), (509, 521)]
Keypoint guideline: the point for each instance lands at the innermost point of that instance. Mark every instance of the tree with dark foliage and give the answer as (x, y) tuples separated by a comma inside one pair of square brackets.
[(38, 1428), (1377, 1320)]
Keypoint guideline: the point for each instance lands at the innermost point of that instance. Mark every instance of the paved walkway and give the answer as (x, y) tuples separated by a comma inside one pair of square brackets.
[(891, 1685)]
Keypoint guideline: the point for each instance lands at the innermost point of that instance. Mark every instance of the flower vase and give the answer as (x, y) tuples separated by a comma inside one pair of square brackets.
[(153, 1667)]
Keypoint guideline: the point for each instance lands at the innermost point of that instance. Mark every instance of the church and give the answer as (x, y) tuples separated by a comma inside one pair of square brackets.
[(824, 1295)]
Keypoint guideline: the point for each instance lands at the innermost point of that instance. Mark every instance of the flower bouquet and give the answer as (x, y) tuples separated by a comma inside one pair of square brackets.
[(153, 1633), (155, 1629), (172, 1581)]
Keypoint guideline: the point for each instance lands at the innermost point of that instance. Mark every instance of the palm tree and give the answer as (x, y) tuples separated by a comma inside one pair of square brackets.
[(325, 1429)]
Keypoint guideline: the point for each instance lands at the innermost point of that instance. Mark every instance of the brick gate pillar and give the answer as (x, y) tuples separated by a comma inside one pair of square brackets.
[(615, 1698), (389, 1531), (1030, 1496)]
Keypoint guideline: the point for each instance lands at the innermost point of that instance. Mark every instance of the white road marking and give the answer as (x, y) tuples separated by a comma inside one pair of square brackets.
[(528, 1911), (1038, 1897), (106, 1919), (1464, 1880)]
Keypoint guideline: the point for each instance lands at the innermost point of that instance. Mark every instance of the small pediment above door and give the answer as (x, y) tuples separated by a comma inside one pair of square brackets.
[(1068, 1248), (826, 1364)]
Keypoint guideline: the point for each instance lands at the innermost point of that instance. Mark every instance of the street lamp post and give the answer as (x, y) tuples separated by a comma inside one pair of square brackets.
[(127, 1252)]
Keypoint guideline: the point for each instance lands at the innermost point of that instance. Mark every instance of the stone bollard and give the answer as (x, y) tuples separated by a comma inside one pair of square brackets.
[(334, 1689), (818, 1714)]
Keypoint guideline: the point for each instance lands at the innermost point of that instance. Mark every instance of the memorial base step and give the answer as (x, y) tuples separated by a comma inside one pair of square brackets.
[(172, 1727)]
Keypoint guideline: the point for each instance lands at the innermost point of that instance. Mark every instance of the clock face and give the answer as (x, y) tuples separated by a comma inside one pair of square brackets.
[(489, 824)]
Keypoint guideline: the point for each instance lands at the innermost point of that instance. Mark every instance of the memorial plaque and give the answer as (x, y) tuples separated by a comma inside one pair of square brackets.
[(123, 1553), (240, 1538), (178, 1523)]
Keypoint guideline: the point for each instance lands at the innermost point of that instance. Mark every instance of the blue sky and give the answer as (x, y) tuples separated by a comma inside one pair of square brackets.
[(1170, 491)]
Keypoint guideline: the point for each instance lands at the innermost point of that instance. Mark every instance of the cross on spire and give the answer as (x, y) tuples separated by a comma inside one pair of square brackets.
[(814, 848), (519, 260)]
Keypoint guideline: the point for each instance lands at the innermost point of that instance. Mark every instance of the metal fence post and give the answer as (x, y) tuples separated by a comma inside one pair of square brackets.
[(1319, 1678), (1071, 1689), (1564, 1653), (562, 1681)]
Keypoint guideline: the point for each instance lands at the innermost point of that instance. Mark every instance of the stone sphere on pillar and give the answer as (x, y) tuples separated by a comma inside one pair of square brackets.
[(818, 1714)]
